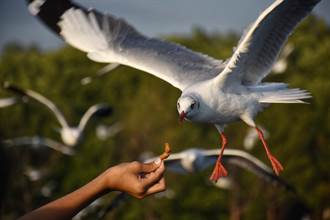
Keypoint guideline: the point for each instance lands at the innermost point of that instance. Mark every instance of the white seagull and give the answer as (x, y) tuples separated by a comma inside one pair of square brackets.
[(37, 142), (71, 136), (212, 91), (195, 159)]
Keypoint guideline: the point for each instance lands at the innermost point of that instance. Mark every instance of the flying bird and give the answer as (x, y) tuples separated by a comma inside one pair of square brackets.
[(213, 91), (195, 159), (71, 135), (37, 142)]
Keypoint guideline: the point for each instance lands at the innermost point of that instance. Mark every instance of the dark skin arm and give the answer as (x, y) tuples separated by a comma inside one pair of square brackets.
[(137, 179)]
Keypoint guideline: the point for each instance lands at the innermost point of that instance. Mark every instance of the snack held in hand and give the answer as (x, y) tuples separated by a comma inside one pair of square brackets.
[(167, 151)]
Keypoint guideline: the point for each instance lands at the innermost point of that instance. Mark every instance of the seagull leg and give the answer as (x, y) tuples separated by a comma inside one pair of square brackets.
[(277, 167), (219, 170)]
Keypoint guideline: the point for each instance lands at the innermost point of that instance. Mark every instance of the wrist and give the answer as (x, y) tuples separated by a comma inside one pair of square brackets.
[(105, 181)]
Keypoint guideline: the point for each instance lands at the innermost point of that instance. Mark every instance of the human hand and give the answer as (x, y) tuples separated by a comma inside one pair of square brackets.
[(137, 179)]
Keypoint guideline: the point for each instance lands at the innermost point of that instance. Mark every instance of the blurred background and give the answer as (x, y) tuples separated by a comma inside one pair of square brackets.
[(299, 135)]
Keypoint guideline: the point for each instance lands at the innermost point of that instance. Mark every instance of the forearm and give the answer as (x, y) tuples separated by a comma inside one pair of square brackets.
[(69, 205)]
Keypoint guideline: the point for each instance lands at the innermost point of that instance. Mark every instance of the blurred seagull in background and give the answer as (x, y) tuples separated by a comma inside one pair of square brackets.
[(71, 136), (194, 160), (213, 91), (37, 142)]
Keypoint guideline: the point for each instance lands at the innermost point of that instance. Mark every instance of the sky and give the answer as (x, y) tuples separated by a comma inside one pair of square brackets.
[(151, 17)]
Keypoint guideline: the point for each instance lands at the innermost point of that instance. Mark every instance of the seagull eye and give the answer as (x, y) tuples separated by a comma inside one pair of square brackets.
[(192, 105), (178, 105)]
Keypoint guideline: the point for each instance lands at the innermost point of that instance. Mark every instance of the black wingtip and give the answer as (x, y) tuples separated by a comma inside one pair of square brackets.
[(50, 11), (10, 87), (104, 111)]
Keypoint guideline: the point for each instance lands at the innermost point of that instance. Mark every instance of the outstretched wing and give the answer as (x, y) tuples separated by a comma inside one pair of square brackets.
[(98, 109), (38, 97), (262, 42), (106, 38), (37, 142)]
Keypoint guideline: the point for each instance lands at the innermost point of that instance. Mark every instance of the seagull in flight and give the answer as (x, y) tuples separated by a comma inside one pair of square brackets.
[(213, 91), (196, 159), (71, 136)]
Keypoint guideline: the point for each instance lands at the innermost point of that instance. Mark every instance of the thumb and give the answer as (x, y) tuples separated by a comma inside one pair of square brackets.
[(150, 167)]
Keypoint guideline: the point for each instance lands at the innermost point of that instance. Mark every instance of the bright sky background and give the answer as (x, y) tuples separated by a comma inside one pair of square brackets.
[(152, 17)]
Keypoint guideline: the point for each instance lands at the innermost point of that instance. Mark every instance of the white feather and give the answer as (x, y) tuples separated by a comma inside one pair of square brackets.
[(285, 96)]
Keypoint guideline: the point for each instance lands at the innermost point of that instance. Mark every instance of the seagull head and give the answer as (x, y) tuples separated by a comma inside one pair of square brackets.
[(187, 107)]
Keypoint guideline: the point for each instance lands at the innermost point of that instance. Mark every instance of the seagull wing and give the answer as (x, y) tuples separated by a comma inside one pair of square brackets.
[(39, 141), (57, 146), (39, 98), (5, 102), (260, 45), (173, 162), (106, 38), (98, 109)]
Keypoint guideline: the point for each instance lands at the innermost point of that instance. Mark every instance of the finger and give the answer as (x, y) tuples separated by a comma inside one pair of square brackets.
[(149, 167), (154, 177), (158, 187)]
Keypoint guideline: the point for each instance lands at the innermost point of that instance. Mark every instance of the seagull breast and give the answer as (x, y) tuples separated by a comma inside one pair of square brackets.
[(71, 136)]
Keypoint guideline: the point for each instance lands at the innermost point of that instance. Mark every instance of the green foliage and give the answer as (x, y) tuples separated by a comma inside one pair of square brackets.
[(299, 134)]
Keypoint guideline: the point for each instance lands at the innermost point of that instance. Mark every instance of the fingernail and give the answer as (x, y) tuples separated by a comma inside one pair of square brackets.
[(157, 161)]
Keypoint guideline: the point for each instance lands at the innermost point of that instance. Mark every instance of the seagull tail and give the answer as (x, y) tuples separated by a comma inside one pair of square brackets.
[(285, 96)]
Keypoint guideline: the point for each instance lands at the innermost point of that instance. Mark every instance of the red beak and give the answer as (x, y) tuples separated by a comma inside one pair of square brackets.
[(182, 116)]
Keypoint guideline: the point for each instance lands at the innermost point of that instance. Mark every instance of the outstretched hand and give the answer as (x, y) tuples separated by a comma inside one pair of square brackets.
[(137, 179)]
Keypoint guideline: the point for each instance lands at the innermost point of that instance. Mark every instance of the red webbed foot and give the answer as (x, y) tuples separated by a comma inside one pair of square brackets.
[(277, 166), (218, 172)]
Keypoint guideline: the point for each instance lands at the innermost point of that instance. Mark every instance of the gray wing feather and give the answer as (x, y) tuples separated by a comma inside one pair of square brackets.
[(109, 39), (260, 45)]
